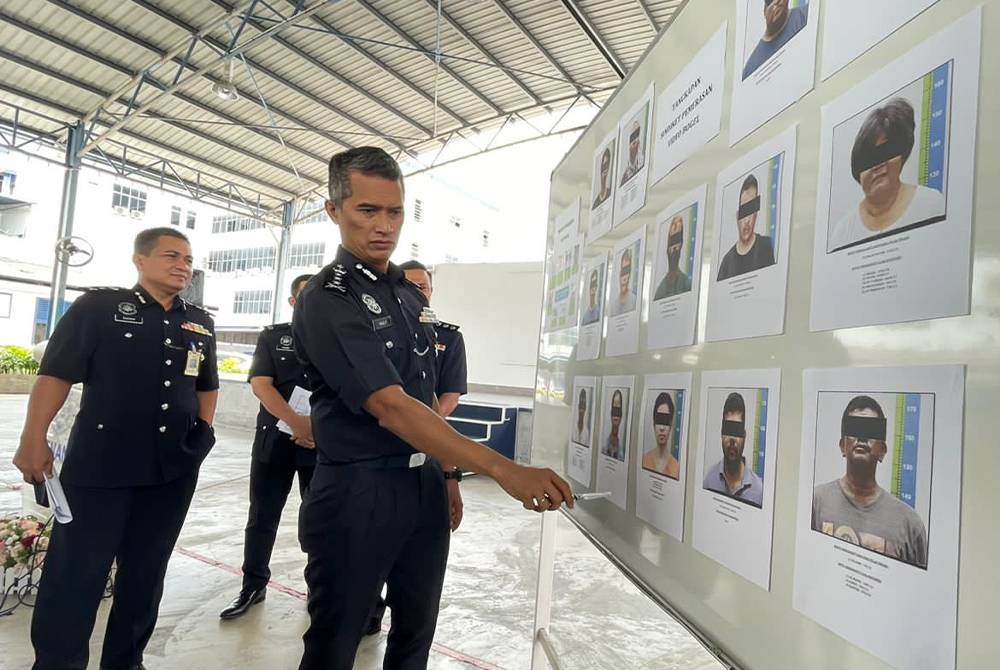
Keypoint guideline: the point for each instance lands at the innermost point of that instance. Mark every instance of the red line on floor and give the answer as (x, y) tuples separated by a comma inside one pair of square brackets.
[(289, 591)]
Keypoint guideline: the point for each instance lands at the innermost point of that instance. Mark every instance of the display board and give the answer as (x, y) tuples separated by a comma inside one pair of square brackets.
[(842, 431)]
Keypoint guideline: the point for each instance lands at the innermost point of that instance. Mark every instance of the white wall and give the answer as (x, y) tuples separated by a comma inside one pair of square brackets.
[(497, 306)]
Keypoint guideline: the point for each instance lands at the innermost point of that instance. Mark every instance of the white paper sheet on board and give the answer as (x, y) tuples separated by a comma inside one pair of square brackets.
[(583, 412), (689, 111), (676, 278), (911, 262), (860, 565), (768, 76), (746, 296), (563, 271), (852, 27), (734, 526), (592, 289), (661, 460), (613, 438), (603, 187), (625, 294), (634, 139)]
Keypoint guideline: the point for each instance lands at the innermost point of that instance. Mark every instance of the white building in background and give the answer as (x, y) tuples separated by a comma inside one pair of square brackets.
[(237, 254)]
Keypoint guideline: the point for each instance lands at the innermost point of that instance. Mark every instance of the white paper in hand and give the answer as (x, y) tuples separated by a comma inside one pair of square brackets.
[(299, 402), (57, 498)]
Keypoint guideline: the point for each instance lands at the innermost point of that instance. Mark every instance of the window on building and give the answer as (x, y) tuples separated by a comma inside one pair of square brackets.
[(486, 238), (192, 218), (232, 260), (252, 302), (7, 180), (418, 211), (234, 223), (129, 199), (175, 216), (306, 255), (415, 251), (455, 221)]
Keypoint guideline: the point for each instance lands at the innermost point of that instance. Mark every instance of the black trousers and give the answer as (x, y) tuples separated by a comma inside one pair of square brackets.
[(137, 527), (270, 484), (363, 528)]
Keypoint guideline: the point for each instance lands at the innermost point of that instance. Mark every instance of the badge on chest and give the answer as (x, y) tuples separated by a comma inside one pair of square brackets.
[(193, 362)]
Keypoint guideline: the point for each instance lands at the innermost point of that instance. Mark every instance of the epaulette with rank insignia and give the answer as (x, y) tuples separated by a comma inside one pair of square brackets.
[(337, 282), (194, 306), (445, 326), (274, 326)]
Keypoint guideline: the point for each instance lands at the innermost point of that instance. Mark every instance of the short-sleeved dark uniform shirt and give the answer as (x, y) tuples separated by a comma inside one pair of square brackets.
[(358, 331), (452, 372), (137, 423), (275, 357)]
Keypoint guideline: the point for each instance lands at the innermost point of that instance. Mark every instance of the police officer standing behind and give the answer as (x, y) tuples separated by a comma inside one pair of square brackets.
[(377, 509), (147, 362), (277, 455)]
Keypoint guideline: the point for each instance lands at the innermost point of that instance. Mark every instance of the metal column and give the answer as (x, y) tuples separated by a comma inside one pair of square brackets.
[(287, 214), (67, 209)]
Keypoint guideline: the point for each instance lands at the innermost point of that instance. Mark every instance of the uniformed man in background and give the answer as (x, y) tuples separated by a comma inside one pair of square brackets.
[(147, 362), (277, 453), (377, 511)]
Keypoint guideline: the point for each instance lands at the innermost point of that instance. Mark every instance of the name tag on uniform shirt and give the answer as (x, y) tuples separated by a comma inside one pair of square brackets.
[(384, 322), (193, 361)]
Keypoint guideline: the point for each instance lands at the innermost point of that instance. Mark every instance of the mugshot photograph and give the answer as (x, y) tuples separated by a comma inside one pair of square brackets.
[(592, 296), (782, 22), (752, 250), (615, 443), (624, 299), (635, 157), (876, 500), (583, 419), (734, 475), (603, 176), (661, 457), (674, 280), (878, 187)]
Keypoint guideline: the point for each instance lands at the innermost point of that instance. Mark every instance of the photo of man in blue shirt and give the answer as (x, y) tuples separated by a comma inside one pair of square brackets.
[(781, 25)]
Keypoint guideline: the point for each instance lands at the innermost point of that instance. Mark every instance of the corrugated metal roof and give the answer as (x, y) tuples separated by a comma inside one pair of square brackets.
[(340, 73)]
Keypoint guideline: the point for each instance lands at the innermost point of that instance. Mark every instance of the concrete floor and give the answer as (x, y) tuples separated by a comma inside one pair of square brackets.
[(599, 619)]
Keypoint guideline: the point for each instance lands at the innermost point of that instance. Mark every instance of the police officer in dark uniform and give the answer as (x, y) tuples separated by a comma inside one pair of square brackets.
[(377, 511), (277, 455), (147, 362)]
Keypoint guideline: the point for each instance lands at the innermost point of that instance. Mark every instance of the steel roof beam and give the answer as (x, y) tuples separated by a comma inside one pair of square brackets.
[(388, 69), (182, 81), (76, 114), (649, 15), (217, 45), (312, 60), (14, 58), (501, 5), (385, 21), (457, 27), (117, 67), (595, 38)]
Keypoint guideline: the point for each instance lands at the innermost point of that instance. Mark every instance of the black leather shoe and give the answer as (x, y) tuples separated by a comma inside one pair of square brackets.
[(244, 601)]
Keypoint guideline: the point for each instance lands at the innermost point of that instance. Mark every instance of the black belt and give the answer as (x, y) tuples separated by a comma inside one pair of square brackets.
[(414, 460)]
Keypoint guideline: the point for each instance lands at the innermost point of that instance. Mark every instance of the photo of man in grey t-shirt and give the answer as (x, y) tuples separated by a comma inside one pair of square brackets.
[(855, 508)]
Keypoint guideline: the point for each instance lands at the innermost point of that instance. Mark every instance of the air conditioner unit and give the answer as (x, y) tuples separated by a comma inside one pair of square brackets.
[(137, 213), (122, 211)]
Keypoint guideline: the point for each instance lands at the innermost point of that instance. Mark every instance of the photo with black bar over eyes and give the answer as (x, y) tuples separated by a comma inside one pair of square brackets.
[(751, 220), (735, 444), (889, 172), (872, 472)]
